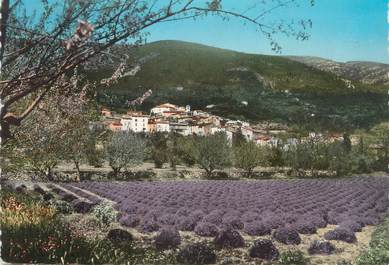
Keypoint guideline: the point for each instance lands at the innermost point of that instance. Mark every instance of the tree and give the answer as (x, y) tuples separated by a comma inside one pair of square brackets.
[(40, 147), (159, 149), (40, 49), (340, 159), (310, 154), (57, 130), (248, 156), (213, 152), (379, 140), (76, 141), (124, 149), (347, 146), (186, 149), (276, 156), (173, 150)]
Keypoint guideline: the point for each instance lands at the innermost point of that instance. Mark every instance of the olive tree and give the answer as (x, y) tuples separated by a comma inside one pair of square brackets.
[(124, 149), (248, 156), (56, 131), (213, 152)]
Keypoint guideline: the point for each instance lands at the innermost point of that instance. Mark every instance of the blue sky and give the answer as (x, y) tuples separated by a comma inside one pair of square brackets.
[(343, 30)]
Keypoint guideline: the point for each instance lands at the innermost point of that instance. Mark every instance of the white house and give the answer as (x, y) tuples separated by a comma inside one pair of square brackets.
[(181, 128), (135, 123), (162, 126), (198, 130), (215, 129), (158, 110)]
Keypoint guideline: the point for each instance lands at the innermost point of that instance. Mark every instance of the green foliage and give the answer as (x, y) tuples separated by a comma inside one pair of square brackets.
[(378, 137), (208, 77), (378, 252), (186, 149), (293, 257), (40, 147), (105, 213), (33, 233), (159, 148), (213, 152), (173, 150), (340, 159), (124, 149), (276, 156), (248, 155), (62, 207), (135, 175)]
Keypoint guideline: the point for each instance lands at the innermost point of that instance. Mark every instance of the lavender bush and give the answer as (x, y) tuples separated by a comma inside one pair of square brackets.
[(210, 206)]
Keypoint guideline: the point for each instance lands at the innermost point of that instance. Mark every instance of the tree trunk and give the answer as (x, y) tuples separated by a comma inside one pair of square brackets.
[(78, 177), (4, 129), (116, 171)]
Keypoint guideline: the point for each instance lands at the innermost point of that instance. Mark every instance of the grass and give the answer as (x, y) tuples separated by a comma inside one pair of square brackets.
[(33, 232), (378, 252)]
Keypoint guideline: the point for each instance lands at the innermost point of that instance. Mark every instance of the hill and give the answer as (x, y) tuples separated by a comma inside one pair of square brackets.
[(367, 73), (275, 87)]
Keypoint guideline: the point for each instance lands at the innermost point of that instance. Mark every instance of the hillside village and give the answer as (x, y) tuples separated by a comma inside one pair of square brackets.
[(182, 120)]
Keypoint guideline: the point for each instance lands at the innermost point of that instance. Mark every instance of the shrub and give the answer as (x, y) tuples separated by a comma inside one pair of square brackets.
[(305, 227), (68, 197), (167, 238), (229, 239), (167, 219), (39, 189), (232, 222), (34, 233), (148, 226), (197, 253), (137, 175), (214, 217), (257, 228), (287, 236), (321, 248), (350, 225), (63, 207), (105, 213), (187, 224), (119, 237), (129, 220), (206, 229), (48, 196), (378, 251), (341, 234), (217, 175), (264, 249), (293, 257), (81, 206), (376, 256), (21, 188)]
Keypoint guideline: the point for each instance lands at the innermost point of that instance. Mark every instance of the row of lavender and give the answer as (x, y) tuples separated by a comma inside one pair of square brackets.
[(256, 207)]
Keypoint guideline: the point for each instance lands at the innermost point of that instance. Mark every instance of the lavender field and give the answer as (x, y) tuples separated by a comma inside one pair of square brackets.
[(253, 207)]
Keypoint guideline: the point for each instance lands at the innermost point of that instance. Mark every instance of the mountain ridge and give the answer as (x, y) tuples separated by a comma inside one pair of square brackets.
[(275, 87)]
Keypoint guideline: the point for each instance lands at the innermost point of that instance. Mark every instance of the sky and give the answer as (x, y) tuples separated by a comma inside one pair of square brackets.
[(343, 30)]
